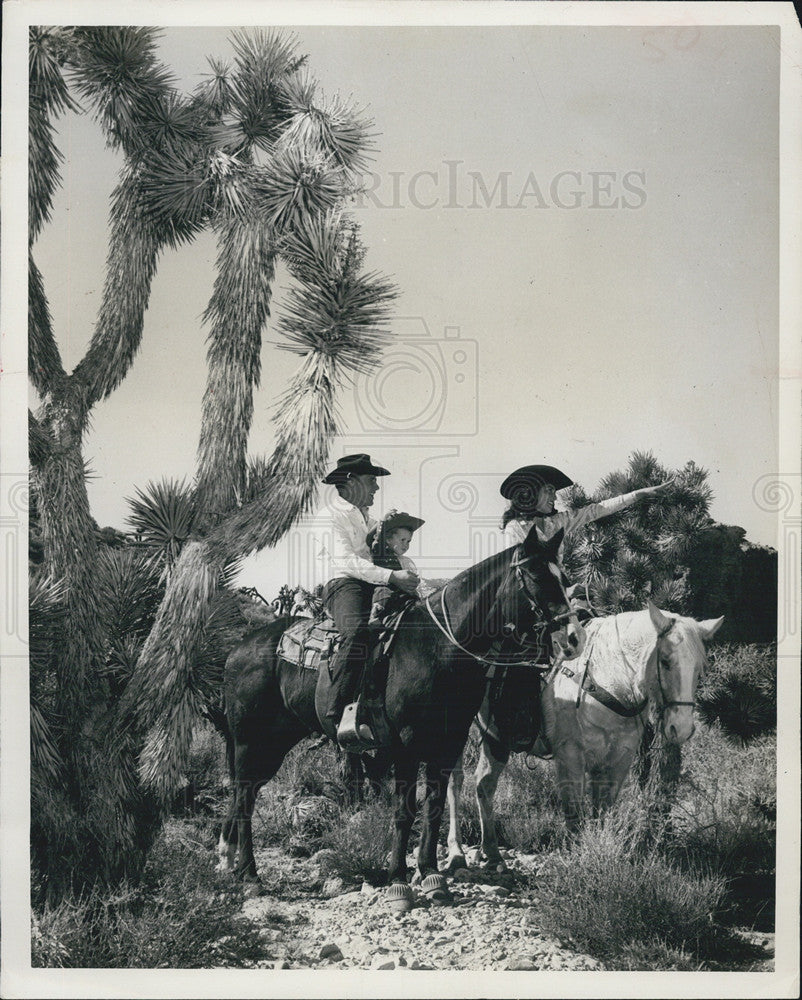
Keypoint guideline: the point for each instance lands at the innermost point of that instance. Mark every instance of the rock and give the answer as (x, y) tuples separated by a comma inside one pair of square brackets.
[(500, 890), (368, 889), (282, 963), (520, 965), (332, 952), (333, 886), (381, 963)]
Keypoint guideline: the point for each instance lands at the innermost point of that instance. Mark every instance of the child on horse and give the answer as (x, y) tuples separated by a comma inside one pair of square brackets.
[(388, 543)]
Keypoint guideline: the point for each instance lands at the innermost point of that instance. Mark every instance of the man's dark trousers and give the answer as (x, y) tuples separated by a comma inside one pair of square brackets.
[(348, 601)]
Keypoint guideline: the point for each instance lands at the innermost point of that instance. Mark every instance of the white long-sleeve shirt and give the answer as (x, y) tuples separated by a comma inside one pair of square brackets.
[(569, 520), (350, 555)]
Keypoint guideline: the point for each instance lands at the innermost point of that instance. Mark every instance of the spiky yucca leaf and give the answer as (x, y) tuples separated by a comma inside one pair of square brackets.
[(44, 358), (134, 249), (294, 184), (164, 515), (214, 93), (130, 591), (262, 60), (175, 192), (344, 316), (48, 97), (46, 762), (117, 72), (337, 129)]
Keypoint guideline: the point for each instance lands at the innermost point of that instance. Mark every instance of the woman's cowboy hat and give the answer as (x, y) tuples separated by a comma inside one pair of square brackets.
[(354, 465), (394, 519), (522, 485)]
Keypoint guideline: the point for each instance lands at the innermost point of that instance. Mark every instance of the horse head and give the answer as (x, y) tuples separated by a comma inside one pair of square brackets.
[(544, 584), (679, 661)]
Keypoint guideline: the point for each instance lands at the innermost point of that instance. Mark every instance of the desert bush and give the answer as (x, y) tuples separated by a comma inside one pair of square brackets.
[(740, 690), (606, 895), (180, 915), (207, 782), (725, 820), (360, 843)]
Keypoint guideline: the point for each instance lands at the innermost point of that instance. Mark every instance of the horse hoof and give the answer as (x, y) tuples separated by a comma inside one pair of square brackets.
[(252, 888), (456, 862), (399, 897), (435, 889)]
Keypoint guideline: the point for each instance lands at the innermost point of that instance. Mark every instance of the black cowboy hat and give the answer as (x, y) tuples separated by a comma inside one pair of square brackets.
[(354, 465), (522, 485)]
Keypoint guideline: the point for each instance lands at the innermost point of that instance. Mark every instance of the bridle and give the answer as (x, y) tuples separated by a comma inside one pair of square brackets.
[(607, 699), (544, 620), (666, 703)]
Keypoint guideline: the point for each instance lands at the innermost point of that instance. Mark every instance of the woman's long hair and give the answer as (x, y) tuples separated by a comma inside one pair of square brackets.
[(513, 513)]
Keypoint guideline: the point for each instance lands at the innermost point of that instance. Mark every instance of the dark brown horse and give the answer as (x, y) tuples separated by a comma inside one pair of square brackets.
[(435, 685)]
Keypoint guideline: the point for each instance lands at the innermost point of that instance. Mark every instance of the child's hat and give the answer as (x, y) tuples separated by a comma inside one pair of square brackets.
[(400, 519), (394, 519)]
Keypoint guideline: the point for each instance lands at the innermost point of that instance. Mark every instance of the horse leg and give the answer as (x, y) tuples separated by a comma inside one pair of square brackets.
[(488, 771), (245, 800), (569, 763), (227, 844), (456, 853), (405, 808), (437, 775)]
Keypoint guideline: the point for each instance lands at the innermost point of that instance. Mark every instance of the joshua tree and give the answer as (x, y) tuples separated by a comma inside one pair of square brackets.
[(640, 552), (251, 155)]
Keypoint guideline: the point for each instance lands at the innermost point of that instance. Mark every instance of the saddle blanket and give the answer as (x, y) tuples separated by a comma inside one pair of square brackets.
[(310, 643)]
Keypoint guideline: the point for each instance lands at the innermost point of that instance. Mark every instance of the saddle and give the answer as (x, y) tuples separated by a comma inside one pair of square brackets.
[(311, 645)]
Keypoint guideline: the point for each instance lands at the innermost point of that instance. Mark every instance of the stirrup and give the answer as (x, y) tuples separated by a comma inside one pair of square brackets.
[(353, 735)]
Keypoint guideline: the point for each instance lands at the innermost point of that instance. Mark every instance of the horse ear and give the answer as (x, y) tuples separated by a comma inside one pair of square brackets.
[(709, 627), (659, 620), (553, 545)]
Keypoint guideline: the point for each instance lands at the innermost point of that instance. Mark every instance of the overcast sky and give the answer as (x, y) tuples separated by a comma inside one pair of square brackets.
[(583, 224)]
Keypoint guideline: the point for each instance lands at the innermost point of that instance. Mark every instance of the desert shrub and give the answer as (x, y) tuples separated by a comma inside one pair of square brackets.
[(526, 806), (181, 915), (529, 815), (726, 811), (207, 783), (740, 690), (725, 819), (609, 897), (360, 842)]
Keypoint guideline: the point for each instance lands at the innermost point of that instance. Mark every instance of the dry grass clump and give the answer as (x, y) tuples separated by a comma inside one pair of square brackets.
[(182, 916), (606, 895)]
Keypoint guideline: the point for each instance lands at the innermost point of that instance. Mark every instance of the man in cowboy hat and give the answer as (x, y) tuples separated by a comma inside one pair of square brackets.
[(348, 594)]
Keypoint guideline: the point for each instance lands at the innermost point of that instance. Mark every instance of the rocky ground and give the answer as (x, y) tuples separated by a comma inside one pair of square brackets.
[(311, 920), (490, 925)]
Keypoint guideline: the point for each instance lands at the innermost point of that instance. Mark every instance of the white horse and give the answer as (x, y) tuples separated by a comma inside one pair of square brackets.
[(594, 711)]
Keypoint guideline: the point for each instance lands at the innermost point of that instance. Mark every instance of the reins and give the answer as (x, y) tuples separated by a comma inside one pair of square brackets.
[(447, 630)]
